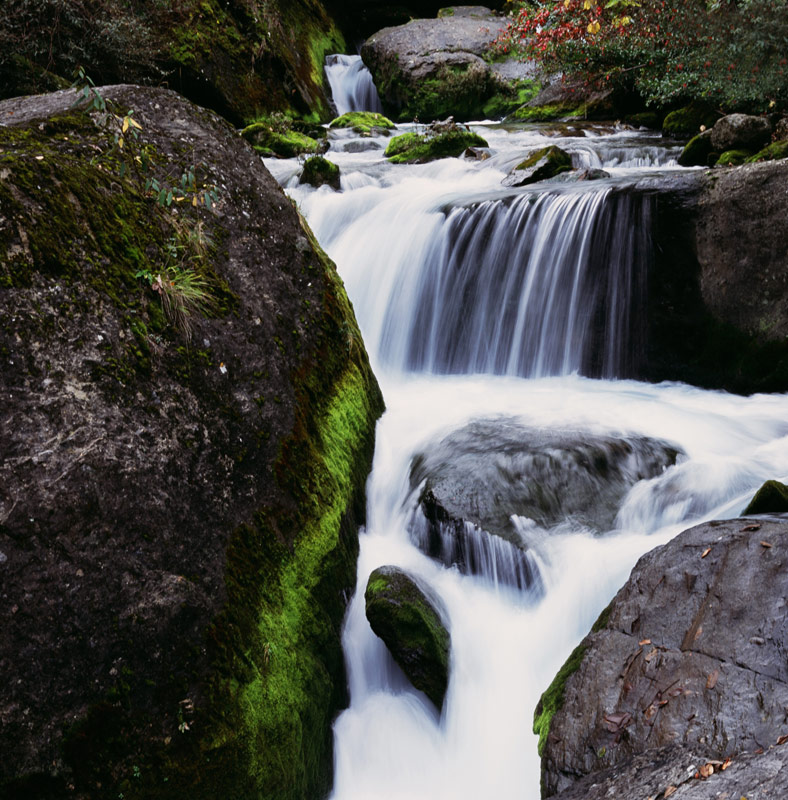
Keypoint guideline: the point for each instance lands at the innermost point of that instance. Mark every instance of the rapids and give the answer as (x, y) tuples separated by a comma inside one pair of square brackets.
[(478, 301)]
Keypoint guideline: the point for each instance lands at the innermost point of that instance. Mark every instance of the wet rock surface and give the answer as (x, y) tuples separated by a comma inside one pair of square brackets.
[(411, 623), (491, 469), (689, 656)]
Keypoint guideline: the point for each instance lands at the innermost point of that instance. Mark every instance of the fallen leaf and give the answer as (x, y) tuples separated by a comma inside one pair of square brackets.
[(758, 751), (698, 633), (783, 739), (765, 544), (725, 764), (618, 721), (669, 791), (651, 653), (645, 641), (649, 712), (711, 682), (706, 771), (755, 527), (706, 552)]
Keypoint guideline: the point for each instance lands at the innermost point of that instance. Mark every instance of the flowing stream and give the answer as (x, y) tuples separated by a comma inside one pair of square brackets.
[(479, 302)]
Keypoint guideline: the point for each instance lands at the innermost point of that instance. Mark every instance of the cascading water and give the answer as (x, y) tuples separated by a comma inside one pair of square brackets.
[(479, 302), (352, 87)]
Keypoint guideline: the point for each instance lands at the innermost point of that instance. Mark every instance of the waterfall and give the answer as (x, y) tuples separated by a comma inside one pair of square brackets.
[(477, 303), (352, 88)]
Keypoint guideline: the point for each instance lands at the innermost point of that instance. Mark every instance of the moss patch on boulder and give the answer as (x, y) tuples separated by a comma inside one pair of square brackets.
[(772, 152), (732, 158), (539, 166), (273, 139), (363, 122), (319, 171), (410, 624), (687, 121), (771, 498), (418, 148), (697, 151)]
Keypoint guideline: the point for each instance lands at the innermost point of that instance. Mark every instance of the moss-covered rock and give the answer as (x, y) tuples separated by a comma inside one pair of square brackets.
[(410, 624), (689, 120), (240, 59), (552, 700), (363, 122), (178, 517), (418, 148), (697, 151), (539, 166), (771, 498), (645, 119), (545, 113), (509, 98), (274, 139), (732, 158), (772, 152), (319, 171)]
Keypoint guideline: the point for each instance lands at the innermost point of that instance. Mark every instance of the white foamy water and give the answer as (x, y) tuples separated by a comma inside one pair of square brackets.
[(475, 302), (352, 88)]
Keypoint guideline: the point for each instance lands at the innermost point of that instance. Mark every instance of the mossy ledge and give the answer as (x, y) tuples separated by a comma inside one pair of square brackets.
[(192, 506)]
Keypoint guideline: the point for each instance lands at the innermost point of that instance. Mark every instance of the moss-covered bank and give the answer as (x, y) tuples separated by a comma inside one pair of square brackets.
[(178, 516)]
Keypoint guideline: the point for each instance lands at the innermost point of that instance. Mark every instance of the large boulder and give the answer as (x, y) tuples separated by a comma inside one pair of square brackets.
[(430, 68), (740, 132), (689, 656), (186, 427), (236, 58), (441, 140), (539, 166), (477, 478), (412, 623), (771, 498)]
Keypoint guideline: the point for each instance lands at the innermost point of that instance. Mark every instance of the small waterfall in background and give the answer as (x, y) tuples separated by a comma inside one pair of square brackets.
[(352, 88), (479, 302)]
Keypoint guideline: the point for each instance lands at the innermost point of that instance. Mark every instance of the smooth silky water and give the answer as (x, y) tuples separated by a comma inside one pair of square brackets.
[(479, 302)]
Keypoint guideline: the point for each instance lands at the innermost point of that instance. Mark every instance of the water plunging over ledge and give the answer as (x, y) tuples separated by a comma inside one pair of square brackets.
[(478, 302), (352, 87)]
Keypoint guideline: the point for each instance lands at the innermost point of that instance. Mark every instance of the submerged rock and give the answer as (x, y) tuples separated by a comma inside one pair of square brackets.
[(478, 478), (411, 624), (539, 166), (688, 658), (319, 171), (179, 492), (771, 498)]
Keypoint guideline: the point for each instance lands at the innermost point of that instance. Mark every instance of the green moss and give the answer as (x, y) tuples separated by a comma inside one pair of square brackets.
[(363, 122), (697, 151), (602, 619), (507, 101), (771, 498), (687, 121), (319, 171), (417, 148), (645, 119), (732, 158), (559, 159), (553, 698), (545, 113), (445, 12), (771, 152), (266, 139)]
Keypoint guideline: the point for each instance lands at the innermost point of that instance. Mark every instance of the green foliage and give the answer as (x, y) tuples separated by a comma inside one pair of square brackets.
[(725, 52)]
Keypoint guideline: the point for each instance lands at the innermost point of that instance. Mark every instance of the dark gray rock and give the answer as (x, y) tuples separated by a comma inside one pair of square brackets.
[(771, 498), (411, 621), (689, 654), (539, 166), (491, 469), (696, 152), (740, 132)]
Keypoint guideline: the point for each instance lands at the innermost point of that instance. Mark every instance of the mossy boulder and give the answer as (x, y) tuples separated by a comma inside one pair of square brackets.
[(545, 113), (732, 158), (540, 165), (772, 152), (645, 119), (771, 498), (275, 139), (689, 120), (411, 624), (363, 122), (418, 148), (319, 171), (239, 59), (741, 132), (178, 516), (697, 151)]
